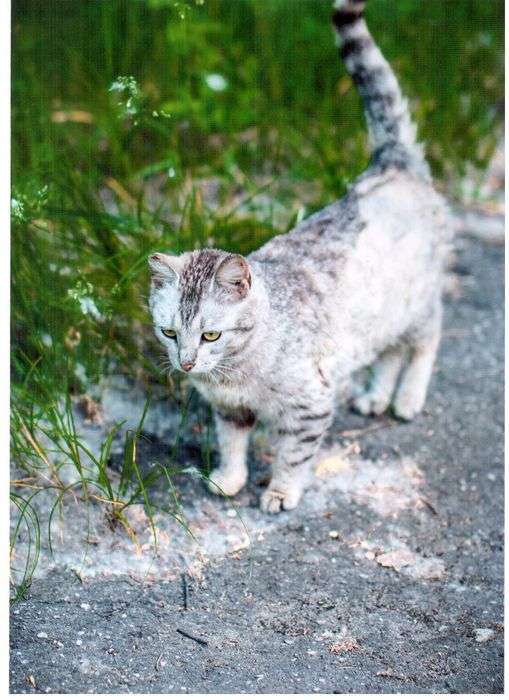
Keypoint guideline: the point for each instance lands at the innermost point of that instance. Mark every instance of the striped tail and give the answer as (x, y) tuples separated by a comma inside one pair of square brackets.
[(391, 129)]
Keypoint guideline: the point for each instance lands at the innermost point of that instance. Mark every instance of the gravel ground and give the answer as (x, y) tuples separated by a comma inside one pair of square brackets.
[(337, 597)]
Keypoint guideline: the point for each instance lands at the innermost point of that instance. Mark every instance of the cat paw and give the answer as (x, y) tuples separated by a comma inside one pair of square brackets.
[(275, 499), (226, 483), (371, 404), (407, 406)]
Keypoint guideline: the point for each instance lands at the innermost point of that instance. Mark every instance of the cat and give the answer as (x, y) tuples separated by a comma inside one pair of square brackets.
[(270, 336)]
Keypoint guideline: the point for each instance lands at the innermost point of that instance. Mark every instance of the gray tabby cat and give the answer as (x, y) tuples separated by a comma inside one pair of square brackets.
[(271, 336)]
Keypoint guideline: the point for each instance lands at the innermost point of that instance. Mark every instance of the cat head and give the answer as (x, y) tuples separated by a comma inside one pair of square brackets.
[(202, 305)]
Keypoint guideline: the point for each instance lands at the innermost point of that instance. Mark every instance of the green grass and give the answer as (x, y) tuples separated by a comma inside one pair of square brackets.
[(115, 101)]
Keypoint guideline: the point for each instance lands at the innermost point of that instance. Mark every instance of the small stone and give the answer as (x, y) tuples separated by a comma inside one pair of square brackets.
[(42, 635), (84, 666), (79, 642), (85, 606), (231, 513), (333, 534), (483, 634)]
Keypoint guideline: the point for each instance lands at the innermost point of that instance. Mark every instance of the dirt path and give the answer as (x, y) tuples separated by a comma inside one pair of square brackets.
[(371, 587)]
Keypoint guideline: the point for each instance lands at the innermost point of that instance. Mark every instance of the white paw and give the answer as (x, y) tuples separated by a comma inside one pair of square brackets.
[(275, 499), (407, 405), (226, 482), (371, 403)]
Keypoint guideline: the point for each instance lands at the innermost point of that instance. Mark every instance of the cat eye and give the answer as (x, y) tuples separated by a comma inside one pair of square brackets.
[(210, 336), (168, 332)]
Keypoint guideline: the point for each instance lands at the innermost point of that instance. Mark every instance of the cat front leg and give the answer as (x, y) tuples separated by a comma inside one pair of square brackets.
[(233, 428), (298, 442)]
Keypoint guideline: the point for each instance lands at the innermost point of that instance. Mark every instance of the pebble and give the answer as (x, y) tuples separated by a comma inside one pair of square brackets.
[(85, 666), (42, 635), (483, 634)]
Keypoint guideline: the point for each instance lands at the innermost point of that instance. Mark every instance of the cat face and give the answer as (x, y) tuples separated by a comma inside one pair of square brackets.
[(200, 304)]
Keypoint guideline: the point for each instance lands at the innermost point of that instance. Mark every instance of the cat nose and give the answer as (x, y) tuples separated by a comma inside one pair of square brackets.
[(186, 366)]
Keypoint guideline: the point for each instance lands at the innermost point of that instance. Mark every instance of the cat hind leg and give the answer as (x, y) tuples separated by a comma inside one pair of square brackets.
[(377, 398), (413, 386)]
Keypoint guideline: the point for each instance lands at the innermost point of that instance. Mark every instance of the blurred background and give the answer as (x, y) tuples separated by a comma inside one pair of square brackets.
[(141, 125)]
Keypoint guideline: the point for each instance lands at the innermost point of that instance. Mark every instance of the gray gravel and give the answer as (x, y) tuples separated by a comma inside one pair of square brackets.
[(301, 611)]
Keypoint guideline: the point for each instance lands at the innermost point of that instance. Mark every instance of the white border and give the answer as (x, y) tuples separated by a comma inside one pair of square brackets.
[(5, 65)]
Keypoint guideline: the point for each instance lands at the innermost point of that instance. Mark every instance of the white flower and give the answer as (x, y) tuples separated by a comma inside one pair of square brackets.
[(88, 306), (17, 210), (216, 82), (127, 87)]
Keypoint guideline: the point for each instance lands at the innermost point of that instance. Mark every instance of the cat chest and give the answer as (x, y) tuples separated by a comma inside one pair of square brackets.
[(249, 395)]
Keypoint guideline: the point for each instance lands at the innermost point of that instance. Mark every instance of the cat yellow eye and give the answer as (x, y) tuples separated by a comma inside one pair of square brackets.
[(168, 332), (211, 336)]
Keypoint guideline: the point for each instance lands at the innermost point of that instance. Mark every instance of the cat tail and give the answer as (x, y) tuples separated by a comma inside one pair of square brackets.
[(392, 133)]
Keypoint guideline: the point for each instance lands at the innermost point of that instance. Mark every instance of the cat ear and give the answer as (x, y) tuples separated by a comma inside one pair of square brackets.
[(164, 268), (234, 275)]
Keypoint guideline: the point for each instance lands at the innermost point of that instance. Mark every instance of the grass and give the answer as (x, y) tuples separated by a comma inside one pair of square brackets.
[(140, 125)]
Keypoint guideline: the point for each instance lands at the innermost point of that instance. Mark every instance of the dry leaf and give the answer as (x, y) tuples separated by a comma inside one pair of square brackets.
[(344, 645), (74, 115), (72, 338), (428, 569), (396, 559), (331, 465), (91, 410)]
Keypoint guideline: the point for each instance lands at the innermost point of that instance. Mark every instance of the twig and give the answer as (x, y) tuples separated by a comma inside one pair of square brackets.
[(203, 642), (42, 456), (368, 429), (120, 191), (184, 589), (429, 505)]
